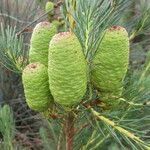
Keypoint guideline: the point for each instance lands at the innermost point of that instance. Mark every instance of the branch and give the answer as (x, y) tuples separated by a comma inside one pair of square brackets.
[(120, 129), (18, 33), (57, 5), (14, 18), (69, 130), (134, 104)]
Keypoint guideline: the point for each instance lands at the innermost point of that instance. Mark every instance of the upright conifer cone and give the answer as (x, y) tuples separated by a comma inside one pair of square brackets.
[(36, 87), (42, 34), (49, 6), (67, 69), (111, 62)]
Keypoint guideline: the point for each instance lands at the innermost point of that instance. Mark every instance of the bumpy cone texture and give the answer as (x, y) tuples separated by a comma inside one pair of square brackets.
[(67, 69), (111, 62), (36, 87), (42, 34)]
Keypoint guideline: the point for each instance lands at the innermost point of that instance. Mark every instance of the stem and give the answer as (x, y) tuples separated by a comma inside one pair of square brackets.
[(69, 130), (144, 72), (120, 129), (108, 135), (60, 140), (131, 103)]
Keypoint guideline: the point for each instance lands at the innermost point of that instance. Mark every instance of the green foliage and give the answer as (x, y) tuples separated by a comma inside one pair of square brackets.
[(128, 126), (52, 135), (138, 19), (7, 128), (14, 48), (133, 116), (93, 19), (12, 52), (45, 139)]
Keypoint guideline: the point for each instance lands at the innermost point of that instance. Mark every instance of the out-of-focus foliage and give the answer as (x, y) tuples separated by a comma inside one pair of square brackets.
[(18, 13), (137, 19), (7, 128), (12, 51)]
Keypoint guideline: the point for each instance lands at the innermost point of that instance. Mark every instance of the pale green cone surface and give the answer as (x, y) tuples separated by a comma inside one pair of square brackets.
[(36, 87), (111, 60), (42, 34), (67, 69), (110, 65)]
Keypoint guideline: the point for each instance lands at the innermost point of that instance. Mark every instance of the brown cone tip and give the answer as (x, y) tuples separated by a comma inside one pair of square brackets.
[(41, 25), (32, 67), (58, 37), (116, 28)]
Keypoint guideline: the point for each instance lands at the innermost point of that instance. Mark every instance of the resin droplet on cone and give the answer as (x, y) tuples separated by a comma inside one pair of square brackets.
[(42, 34), (67, 69), (36, 87), (111, 62)]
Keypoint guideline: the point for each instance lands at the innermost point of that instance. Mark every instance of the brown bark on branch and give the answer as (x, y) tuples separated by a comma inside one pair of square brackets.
[(69, 130)]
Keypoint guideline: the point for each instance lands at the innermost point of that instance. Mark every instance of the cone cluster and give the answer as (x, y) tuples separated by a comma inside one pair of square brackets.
[(58, 70)]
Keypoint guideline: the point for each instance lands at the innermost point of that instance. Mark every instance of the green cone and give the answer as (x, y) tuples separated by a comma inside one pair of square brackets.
[(67, 69), (111, 62), (42, 34), (49, 6), (36, 87)]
